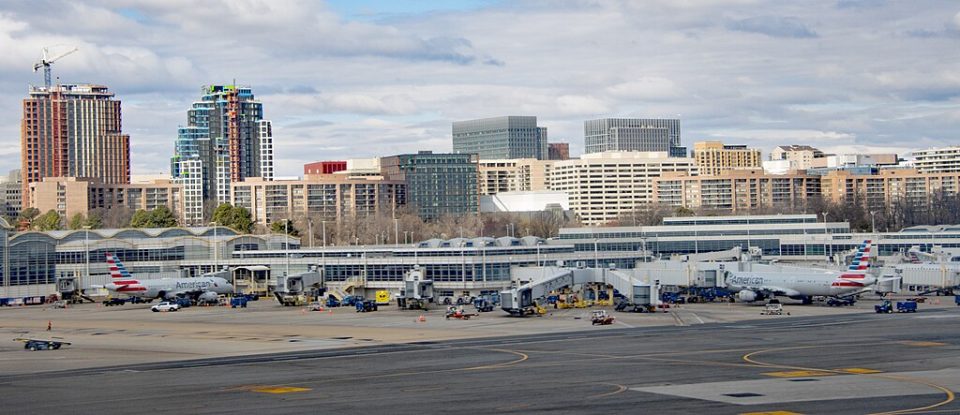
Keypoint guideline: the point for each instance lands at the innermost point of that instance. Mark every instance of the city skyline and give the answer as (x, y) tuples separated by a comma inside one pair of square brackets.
[(364, 79)]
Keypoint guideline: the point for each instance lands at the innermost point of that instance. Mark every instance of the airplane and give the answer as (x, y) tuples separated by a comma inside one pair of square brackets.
[(199, 288), (916, 256), (805, 283)]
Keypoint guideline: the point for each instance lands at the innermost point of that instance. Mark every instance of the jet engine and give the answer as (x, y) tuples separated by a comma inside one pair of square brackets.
[(208, 297), (747, 296)]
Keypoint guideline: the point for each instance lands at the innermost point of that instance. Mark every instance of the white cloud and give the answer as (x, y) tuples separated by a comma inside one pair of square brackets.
[(761, 73), (581, 105)]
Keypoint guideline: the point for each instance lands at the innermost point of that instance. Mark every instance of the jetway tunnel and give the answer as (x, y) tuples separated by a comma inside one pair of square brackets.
[(525, 299)]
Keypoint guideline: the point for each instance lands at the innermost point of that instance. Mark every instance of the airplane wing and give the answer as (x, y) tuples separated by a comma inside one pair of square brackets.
[(780, 291)]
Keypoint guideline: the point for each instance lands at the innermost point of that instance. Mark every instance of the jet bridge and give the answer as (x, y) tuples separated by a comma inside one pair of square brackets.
[(523, 299), (417, 291), (291, 290)]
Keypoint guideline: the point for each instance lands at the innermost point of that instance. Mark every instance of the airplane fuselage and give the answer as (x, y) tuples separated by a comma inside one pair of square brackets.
[(802, 284), (170, 287)]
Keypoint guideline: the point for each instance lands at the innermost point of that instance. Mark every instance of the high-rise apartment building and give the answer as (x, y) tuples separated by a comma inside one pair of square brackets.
[(436, 184), (938, 160), (633, 134), (509, 137), (330, 197), (735, 190), (714, 157), (604, 186), (72, 130), (225, 140)]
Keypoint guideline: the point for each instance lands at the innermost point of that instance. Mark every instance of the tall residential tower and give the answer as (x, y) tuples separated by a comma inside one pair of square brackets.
[(225, 140), (72, 130)]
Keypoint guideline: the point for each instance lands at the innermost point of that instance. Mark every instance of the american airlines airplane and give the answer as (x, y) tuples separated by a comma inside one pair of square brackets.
[(805, 283), (199, 288)]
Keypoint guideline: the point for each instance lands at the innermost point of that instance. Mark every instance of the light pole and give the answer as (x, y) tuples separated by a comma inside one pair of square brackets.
[(216, 242), (396, 231), (463, 263), (596, 257), (643, 249), (86, 247), (873, 223), (286, 245), (323, 229), (538, 252), (825, 236), (310, 230)]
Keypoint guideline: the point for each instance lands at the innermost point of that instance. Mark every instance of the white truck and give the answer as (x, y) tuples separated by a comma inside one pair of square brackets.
[(165, 306)]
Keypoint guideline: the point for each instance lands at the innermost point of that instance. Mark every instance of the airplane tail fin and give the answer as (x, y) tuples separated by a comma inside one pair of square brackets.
[(861, 260), (857, 270), (117, 270)]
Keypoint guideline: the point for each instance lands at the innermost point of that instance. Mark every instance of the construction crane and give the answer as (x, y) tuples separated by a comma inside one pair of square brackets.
[(46, 61)]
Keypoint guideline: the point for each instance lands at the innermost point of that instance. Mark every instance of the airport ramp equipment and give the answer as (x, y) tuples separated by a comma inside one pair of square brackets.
[(522, 300), (417, 291), (290, 287)]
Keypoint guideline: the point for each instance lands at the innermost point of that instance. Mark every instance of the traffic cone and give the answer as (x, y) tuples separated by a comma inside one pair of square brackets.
[(422, 319), (330, 312)]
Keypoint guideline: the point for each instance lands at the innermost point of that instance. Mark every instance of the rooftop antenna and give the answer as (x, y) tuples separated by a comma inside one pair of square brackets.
[(46, 61)]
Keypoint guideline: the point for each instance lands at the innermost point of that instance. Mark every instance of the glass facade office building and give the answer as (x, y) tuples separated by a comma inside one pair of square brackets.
[(633, 134), (510, 137), (436, 184)]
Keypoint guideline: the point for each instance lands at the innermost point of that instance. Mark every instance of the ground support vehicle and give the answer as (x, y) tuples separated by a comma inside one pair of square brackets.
[(884, 307), (906, 306), (483, 305), (41, 344), (332, 301), (351, 300), (364, 306), (956, 299), (114, 301), (457, 313), (634, 308), (774, 309), (672, 298), (840, 302), (315, 306), (238, 302), (601, 317)]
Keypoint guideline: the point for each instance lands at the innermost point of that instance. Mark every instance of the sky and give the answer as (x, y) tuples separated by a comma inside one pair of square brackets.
[(366, 78)]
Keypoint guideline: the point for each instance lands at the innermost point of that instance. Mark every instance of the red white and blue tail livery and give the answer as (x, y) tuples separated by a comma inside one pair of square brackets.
[(806, 283), (200, 288)]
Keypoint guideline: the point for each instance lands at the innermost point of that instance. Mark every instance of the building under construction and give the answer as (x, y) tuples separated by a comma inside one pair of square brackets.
[(226, 140), (72, 130)]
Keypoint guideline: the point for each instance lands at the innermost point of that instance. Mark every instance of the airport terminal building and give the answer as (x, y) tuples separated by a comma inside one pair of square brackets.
[(32, 261)]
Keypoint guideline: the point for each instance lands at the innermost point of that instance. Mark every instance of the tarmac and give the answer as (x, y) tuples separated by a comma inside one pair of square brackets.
[(698, 358)]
